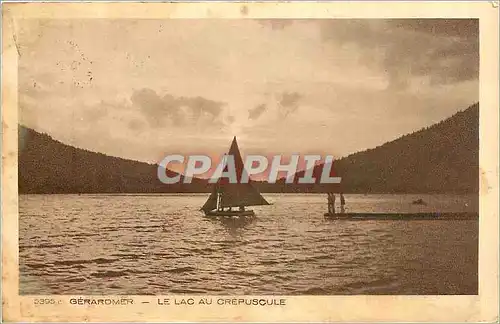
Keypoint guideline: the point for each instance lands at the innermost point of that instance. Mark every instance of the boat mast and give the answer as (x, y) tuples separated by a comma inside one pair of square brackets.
[(219, 196), (234, 194)]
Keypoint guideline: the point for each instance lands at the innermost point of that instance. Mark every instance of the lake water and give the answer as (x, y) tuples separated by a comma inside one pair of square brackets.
[(161, 244)]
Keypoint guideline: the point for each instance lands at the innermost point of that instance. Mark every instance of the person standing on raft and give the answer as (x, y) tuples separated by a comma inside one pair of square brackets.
[(342, 203), (331, 203)]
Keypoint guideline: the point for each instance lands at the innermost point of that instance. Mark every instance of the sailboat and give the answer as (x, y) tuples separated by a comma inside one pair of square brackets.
[(233, 195)]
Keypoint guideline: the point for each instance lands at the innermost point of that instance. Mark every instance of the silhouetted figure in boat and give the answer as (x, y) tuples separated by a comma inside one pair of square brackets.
[(342, 203), (219, 202), (242, 208), (331, 203)]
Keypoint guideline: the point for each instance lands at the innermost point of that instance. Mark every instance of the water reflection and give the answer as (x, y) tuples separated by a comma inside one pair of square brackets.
[(234, 225), (122, 248)]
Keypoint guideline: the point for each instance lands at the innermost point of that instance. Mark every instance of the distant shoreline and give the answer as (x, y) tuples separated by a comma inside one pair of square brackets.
[(442, 158)]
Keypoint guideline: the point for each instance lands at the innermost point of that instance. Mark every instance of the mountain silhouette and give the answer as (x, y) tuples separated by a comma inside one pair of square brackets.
[(442, 158), (49, 166)]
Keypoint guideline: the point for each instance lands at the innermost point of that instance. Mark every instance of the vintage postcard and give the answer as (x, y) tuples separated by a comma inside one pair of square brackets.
[(250, 162)]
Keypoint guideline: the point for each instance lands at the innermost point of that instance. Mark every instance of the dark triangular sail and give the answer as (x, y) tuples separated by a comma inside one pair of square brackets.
[(211, 202), (234, 194)]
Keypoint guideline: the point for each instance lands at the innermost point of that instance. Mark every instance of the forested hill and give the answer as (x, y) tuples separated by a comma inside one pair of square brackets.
[(441, 158), (49, 166)]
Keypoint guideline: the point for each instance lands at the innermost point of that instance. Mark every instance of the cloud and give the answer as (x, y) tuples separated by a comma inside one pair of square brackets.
[(255, 113), (443, 50), (337, 71), (465, 28), (136, 125), (280, 105), (289, 102), (176, 111), (105, 108), (285, 103), (230, 119)]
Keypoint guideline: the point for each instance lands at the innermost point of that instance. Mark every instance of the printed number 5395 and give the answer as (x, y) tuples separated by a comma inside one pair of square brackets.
[(45, 301)]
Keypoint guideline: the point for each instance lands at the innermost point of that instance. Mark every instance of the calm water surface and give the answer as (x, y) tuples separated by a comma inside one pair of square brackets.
[(161, 244)]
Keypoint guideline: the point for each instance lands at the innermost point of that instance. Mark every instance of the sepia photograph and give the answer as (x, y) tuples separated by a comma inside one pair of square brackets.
[(288, 156), (394, 101)]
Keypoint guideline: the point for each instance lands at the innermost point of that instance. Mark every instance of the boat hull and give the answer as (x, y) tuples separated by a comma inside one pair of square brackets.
[(236, 213)]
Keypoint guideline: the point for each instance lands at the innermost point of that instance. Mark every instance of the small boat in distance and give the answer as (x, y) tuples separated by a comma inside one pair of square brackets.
[(225, 196), (419, 201)]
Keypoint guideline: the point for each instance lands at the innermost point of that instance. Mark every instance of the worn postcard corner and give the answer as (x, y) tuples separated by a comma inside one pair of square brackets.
[(250, 162)]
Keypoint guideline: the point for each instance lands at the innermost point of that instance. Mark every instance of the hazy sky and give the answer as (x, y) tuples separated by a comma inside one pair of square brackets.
[(140, 89)]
